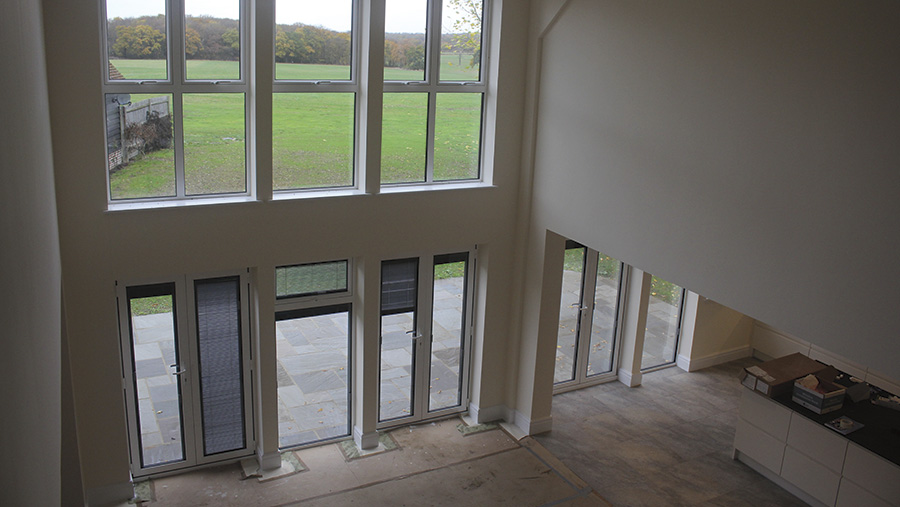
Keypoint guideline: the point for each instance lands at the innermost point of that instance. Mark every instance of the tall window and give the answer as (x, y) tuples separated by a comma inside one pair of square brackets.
[(314, 105), (663, 324), (434, 91), (176, 98)]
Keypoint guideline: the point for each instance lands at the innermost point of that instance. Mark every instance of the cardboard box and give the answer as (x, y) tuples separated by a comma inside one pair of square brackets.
[(827, 397), (776, 377)]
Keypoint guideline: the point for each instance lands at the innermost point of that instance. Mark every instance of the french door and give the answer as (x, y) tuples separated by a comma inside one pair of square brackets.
[(186, 370), (425, 337), (590, 312)]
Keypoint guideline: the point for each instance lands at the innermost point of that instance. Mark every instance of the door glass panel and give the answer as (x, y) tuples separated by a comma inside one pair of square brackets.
[(154, 345), (663, 319), (313, 365), (569, 312), (447, 331), (603, 322), (212, 39), (399, 283), (218, 307)]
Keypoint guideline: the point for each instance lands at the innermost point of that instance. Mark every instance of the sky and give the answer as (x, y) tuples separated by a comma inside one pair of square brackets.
[(402, 15)]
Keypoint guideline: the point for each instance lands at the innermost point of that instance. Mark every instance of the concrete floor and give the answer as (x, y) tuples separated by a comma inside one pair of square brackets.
[(667, 442)]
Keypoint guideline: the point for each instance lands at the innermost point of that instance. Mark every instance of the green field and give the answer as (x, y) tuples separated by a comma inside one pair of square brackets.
[(313, 134)]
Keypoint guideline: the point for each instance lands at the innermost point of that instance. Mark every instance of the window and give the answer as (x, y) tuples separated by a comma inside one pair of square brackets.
[(433, 92), (315, 100), (176, 99), (180, 110), (663, 324), (313, 342)]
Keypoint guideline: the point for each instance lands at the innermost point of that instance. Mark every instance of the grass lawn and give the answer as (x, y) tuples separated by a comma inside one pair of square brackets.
[(313, 134)]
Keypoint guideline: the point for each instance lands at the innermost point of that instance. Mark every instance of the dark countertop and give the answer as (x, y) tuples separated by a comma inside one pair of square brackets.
[(880, 435)]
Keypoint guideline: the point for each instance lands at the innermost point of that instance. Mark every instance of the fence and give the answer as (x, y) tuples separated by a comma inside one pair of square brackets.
[(120, 115)]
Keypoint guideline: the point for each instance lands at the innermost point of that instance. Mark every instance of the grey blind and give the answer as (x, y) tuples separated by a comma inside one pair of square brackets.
[(219, 338), (398, 286), (311, 279)]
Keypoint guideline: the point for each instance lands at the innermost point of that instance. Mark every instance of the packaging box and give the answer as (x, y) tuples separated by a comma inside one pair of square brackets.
[(830, 398), (776, 377)]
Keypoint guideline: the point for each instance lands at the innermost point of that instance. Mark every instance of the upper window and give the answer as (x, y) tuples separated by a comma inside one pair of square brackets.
[(176, 99), (311, 279), (433, 91), (315, 100)]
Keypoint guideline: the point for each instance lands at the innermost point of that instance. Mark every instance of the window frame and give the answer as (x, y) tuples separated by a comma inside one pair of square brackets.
[(351, 85), (176, 85), (432, 85)]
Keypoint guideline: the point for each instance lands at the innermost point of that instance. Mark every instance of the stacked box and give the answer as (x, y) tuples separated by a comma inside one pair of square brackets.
[(775, 377), (819, 402)]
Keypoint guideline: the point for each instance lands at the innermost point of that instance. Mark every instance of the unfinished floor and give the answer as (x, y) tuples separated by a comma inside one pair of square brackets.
[(667, 442)]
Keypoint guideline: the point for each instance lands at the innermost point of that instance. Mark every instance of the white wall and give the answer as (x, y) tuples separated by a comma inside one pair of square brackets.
[(30, 429), (744, 150), (99, 247)]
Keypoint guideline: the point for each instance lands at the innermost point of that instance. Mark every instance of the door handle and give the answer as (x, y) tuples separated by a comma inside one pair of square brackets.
[(177, 371)]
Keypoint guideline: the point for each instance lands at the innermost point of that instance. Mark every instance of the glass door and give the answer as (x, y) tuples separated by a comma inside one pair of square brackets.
[(589, 315), (186, 356), (425, 333)]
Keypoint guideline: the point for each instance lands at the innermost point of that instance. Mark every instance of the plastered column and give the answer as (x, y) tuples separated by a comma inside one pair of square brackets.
[(634, 325)]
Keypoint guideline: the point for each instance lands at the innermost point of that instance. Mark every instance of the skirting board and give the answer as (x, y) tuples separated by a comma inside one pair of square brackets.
[(488, 414), (269, 460), (700, 363), (111, 494), (530, 427), (629, 379), (365, 440)]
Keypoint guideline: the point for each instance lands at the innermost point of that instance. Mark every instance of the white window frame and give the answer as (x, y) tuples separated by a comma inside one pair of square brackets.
[(432, 85), (176, 85), (329, 86)]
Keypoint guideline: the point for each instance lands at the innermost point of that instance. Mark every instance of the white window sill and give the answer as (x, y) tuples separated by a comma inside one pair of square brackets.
[(430, 187), (179, 203), (316, 194)]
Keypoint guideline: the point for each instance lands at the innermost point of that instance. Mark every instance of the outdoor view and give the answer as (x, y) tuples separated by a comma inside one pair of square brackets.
[(313, 132)]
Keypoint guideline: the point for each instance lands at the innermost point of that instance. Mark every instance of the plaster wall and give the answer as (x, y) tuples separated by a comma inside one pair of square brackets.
[(744, 150), (31, 431), (101, 247)]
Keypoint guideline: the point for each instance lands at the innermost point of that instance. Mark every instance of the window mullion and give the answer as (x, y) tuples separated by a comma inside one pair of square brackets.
[(433, 70), (176, 69)]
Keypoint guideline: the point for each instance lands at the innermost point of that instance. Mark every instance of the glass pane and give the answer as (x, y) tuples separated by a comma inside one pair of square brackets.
[(313, 387), (603, 322), (447, 331), (212, 39), (403, 138), (214, 156), (154, 344), (569, 314), (661, 335), (313, 39), (136, 39), (457, 136), (310, 279), (404, 40), (221, 373), (461, 40), (140, 154), (399, 282), (312, 140)]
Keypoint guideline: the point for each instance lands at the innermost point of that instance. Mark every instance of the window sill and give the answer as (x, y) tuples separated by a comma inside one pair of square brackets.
[(315, 194), (178, 203), (430, 187)]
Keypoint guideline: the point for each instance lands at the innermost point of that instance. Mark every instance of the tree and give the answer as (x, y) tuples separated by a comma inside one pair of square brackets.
[(467, 28), (192, 43), (139, 41)]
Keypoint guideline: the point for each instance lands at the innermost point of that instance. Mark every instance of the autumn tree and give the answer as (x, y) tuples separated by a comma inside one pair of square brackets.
[(192, 43), (139, 41)]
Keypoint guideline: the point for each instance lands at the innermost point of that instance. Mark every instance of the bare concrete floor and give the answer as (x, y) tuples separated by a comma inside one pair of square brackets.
[(434, 465), (667, 442)]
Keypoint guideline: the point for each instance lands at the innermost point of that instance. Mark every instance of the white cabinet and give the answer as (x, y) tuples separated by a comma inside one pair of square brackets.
[(810, 460)]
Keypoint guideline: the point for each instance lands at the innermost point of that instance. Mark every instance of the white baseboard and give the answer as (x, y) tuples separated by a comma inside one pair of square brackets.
[(112, 494), (365, 440), (533, 427), (629, 379), (488, 414), (268, 460), (700, 363)]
